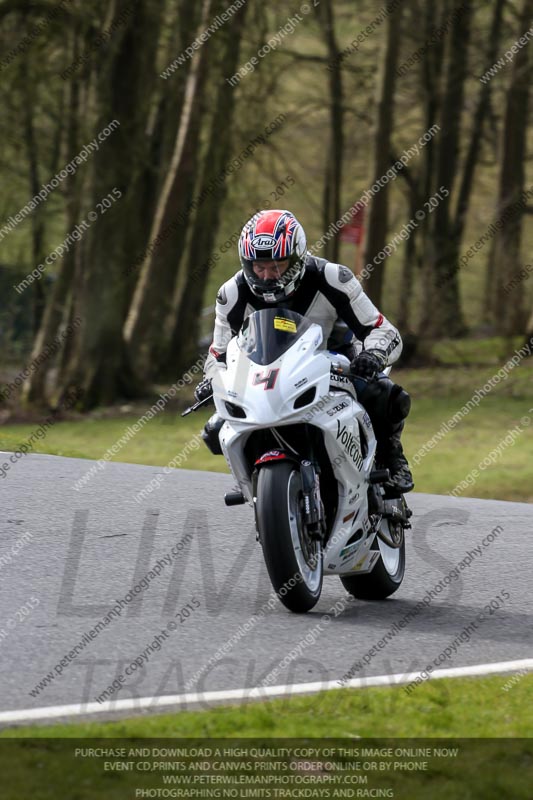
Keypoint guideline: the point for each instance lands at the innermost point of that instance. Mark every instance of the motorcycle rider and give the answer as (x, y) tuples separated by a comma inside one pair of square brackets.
[(276, 270)]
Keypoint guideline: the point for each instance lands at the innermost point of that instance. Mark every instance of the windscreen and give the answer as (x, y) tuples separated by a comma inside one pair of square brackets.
[(265, 335)]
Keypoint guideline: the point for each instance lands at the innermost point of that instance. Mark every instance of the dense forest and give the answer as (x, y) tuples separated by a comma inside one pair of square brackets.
[(139, 135)]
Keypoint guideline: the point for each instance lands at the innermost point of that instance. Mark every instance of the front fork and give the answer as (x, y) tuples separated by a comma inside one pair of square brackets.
[(312, 506)]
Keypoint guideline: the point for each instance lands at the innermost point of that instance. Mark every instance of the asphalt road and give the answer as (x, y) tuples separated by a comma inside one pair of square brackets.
[(67, 556)]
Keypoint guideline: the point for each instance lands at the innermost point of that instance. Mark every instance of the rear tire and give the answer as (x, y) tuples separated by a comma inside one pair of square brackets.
[(293, 561), (385, 578)]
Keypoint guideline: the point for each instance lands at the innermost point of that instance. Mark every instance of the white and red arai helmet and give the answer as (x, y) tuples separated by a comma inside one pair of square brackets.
[(272, 252)]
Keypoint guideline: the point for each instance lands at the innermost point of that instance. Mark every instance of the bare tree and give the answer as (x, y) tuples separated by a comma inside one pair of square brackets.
[(437, 168), (331, 204), (57, 304), (441, 302), (506, 295), (97, 363), (376, 235), (182, 329), (152, 298)]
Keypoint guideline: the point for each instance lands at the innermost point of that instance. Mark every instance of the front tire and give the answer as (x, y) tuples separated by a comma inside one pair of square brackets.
[(387, 575), (293, 560)]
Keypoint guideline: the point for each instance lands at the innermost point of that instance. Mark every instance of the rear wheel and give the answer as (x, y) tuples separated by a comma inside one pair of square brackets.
[(293, 559), (387, 575)]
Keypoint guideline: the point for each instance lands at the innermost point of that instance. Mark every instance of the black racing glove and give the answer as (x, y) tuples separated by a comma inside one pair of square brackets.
[(203, 390), (368, 364)]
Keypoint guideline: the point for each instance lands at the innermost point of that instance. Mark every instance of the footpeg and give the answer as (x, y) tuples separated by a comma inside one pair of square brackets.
[(234, 499)]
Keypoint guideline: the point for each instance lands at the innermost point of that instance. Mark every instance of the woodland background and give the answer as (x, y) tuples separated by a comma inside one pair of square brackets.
[(319, 118)]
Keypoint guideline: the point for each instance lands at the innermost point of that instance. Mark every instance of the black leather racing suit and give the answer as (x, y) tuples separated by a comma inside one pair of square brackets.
[(330, 295)]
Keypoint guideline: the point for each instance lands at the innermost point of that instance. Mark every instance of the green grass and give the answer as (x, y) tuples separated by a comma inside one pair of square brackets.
[(467, 707), (490, 351), (45, 768), (156, 444), (437, 394)]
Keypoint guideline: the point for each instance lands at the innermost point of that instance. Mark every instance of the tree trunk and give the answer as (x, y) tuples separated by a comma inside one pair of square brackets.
[(404, 313), (420, 179), (185, 317), (162, 126), (376, 233), (510, 315), (442, 314), (97, 364), (152, 298), (529, 335), (474, 148), (37, 220), (431, 77), (34, 389), (331, 208)]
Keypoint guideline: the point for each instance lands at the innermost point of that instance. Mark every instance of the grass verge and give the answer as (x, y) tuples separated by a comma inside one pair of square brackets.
[(437, 395), (458, 707), (488, 758)]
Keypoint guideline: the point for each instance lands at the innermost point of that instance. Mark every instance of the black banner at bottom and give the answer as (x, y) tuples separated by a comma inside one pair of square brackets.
[(405, 769)]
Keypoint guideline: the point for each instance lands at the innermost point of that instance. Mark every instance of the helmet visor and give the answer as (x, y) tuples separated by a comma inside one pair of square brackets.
[(267, 270), (268, 273)]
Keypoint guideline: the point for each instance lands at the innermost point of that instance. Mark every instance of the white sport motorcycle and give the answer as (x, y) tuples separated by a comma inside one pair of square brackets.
[(302, 449)]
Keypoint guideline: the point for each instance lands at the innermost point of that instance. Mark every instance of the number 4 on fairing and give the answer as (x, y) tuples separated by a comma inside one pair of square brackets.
[(269, 379)]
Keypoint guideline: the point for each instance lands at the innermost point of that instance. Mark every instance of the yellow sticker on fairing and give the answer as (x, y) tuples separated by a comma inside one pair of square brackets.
[(282, 324)]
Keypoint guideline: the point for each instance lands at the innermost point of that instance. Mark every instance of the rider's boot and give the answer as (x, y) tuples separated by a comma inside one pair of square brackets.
[(211, 432), (390, 454)]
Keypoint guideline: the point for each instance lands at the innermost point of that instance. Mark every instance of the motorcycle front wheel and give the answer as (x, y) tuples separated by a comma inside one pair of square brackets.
[(293, 559)]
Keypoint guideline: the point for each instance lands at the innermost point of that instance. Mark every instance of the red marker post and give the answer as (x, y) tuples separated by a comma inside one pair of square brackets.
[(353, 232)]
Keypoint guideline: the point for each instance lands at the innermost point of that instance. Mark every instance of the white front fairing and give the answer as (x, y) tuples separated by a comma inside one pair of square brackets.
[(267, 397)]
